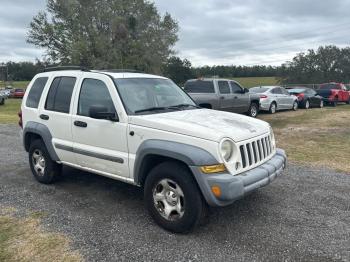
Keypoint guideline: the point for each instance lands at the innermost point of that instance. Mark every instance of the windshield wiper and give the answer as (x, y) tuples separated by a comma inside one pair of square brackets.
[(185, 105), (156, 109)]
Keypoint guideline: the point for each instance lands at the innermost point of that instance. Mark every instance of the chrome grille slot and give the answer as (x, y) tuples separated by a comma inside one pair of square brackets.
[(256, 151)]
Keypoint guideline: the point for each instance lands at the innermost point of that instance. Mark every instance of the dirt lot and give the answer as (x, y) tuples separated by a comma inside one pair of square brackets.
[(303, 216)]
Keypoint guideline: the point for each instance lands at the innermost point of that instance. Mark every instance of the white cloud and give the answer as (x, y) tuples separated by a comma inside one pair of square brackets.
[(215, 31)]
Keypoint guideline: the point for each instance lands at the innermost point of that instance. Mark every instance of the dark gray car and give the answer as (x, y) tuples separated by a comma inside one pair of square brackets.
[(223, 94)]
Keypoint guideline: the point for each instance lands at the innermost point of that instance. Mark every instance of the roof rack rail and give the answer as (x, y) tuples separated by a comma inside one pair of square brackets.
[(121, 70), (61, 68)]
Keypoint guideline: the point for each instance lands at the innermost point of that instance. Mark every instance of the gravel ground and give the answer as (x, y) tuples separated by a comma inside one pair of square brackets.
[(303, 216)]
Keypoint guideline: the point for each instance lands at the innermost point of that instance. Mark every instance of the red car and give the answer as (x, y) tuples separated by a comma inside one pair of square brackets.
[(17, 93), (333, 93)]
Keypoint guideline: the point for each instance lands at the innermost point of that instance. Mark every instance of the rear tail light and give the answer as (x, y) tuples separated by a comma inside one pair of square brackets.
[(263, 96), (300, 96), (20, 121)]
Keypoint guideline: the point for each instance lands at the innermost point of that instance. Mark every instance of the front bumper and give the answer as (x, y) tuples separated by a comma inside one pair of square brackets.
[(236, 187)]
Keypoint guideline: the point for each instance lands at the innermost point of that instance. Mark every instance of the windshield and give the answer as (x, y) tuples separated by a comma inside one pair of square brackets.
[(296, 90), (147, 95), (258, 90)]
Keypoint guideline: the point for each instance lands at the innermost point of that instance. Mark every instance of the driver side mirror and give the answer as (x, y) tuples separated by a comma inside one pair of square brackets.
[(245, 90), (101, 112)]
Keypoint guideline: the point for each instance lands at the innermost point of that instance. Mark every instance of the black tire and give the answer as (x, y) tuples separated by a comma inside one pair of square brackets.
[(306, 104), (321, 105), (273, 108), (193, 206), (253, 110), (348, 102), (335, 102), (295, 106), (2, 101), (50, 170)]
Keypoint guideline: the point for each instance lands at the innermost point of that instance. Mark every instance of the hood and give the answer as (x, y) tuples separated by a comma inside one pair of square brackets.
[(204, 123)]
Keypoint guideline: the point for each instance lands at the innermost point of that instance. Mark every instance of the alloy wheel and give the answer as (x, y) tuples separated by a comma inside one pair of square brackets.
[(38, 161), (169, 199)]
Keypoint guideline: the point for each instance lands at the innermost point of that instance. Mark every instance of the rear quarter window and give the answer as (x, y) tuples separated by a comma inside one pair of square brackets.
[(60, 94), (35, 92), (200, 86)]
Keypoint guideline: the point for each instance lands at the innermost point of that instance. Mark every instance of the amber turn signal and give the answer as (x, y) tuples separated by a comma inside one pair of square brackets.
[(213, 169), (216, 191)]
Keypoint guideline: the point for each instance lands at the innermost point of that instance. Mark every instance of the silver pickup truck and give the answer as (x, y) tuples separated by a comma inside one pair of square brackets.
[(223, 94)]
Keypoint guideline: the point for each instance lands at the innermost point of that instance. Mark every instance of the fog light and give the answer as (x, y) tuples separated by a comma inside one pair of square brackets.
[(216, 191), (213, 169)]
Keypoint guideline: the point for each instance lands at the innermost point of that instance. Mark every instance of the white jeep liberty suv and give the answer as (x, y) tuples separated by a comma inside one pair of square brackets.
[(144, 130)]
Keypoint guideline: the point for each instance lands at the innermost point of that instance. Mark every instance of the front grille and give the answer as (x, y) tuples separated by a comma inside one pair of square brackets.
[(255, 151)]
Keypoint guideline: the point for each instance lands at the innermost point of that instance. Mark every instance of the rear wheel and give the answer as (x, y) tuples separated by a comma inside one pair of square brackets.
[(321, 104), (43, 168), (253, 110), (273, 108), (172, 197), (295, 106), (335, 102)]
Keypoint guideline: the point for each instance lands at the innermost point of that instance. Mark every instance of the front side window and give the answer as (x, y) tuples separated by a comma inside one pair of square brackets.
[(235, 88), (145, 95), (224, 88), (60, 94), (35, 92), (94, 92)]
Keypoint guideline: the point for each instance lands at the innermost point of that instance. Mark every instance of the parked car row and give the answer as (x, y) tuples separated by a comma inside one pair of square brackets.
[(229, 95), (10, 93)]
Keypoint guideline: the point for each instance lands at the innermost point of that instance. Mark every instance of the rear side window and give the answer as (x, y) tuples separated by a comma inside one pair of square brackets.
[(276, 90), (199, 86), (35, 92), (60, 94), (224, 88), (94, 93)]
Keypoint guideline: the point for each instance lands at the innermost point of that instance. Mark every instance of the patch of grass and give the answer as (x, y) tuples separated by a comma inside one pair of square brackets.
[(9, 111), (15, 84), (316, 136), (22, 239), (256, 81)]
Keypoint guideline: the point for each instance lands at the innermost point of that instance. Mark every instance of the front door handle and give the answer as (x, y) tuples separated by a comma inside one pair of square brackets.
[(236, 97), (80, 123), (44, 117), (222, 97)]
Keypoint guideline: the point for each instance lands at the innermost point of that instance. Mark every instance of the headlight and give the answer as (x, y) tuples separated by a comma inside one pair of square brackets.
[(226, 149)]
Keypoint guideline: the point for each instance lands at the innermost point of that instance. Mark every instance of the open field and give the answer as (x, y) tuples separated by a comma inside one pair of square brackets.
[(256, 81), (316, 136), (15, 84), (9, 111), (245, 81)]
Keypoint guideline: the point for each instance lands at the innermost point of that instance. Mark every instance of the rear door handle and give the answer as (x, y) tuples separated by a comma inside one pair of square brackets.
[(80, 123), (236, 97), (222, 97), (44, 117)]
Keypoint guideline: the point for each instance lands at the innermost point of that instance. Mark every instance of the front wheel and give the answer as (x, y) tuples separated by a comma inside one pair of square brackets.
[(253, 110), (307, 104), (295, 106), (172, 197), (2, 101)]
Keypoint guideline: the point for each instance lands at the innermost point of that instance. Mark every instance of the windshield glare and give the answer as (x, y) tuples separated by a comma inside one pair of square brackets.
[(144, 93)]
